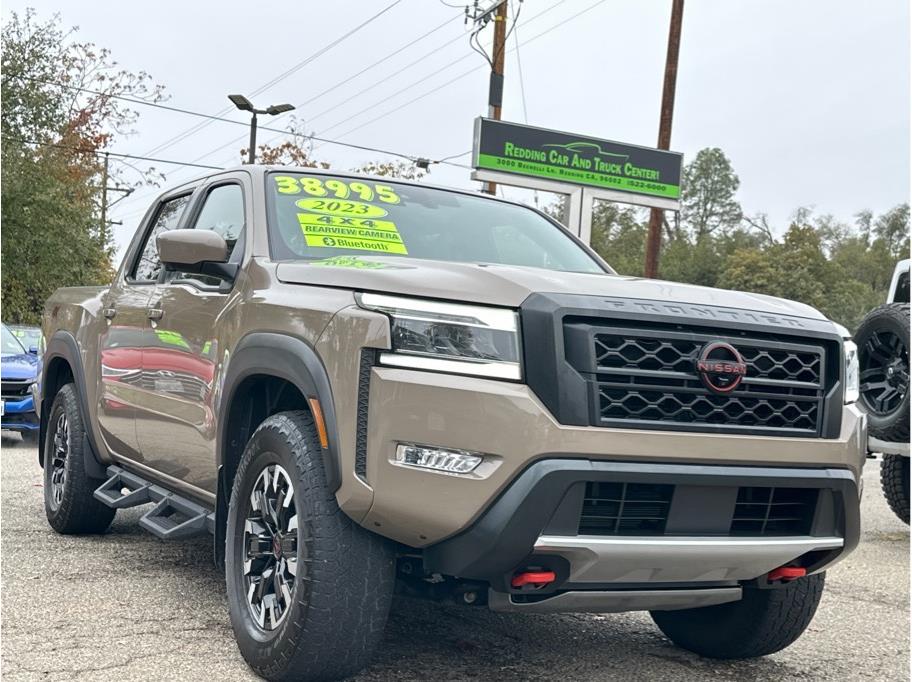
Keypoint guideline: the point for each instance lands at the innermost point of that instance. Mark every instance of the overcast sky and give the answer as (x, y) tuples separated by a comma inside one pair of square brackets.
[(809, 100)]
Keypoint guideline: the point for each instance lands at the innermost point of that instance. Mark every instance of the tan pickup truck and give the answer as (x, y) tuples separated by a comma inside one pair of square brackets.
[(355, 383)]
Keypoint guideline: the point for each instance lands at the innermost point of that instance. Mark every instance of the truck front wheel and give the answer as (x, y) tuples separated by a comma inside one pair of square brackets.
[(309, 590), (68, 501), (763, 622)]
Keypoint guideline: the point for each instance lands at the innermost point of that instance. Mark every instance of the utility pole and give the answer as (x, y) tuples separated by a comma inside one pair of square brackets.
[(104, 200), (497, 13), (656, 216), (127, 191)]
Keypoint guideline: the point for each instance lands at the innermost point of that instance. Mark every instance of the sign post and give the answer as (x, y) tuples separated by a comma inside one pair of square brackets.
[(584, 168)]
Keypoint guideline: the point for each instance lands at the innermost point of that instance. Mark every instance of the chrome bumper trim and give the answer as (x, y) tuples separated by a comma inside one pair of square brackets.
[(676, 559)]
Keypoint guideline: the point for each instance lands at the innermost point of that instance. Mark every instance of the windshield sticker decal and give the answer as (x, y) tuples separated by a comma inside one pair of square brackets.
[(355, 262), (334, 187), (358, 209), (343, 232)]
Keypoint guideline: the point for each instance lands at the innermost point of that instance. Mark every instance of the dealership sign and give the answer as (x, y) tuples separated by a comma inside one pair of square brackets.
[(574, 159)]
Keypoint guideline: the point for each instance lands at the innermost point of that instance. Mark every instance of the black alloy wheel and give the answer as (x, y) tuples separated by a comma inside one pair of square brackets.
[(884, 377), (271, 542), (61, 449)]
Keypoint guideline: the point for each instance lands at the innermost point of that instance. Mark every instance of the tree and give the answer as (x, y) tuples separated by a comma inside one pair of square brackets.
[(619, 236), (298, 151), (708, 194), (893, 228), (52, 132)]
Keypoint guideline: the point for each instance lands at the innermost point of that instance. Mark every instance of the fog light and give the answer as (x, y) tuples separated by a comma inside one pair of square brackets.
[(438, 459)]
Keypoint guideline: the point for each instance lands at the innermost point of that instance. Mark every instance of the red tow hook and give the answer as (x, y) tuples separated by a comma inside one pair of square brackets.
[(537, 579), (786, 573)]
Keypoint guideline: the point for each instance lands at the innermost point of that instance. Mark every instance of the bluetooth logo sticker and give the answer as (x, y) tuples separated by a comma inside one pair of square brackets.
[(329, 241)]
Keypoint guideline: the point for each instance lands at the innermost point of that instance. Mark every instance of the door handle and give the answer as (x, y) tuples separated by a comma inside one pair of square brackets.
[(109, 312), (155, 313)]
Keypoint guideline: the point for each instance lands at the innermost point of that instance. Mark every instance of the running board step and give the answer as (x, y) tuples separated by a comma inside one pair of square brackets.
[(173, 516)]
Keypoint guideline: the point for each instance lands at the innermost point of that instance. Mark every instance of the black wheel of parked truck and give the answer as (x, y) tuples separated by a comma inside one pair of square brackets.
[(309, 590), (762, 622), (68, 500), (883, 363), (894, 479)]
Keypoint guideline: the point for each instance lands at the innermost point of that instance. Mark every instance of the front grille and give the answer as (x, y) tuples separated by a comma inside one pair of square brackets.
[(14, 390), (708, 408), (611, 508), (774, 511), (615, 508), (646, 377)]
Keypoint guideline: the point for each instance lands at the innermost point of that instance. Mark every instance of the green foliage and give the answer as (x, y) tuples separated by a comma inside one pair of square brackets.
[(52, 233), (709, 184)]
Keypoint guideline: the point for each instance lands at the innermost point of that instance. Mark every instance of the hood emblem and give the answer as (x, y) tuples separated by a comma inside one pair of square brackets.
[(721, 367)]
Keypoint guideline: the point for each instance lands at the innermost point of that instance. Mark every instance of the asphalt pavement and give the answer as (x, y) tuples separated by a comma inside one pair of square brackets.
[(128, 606)]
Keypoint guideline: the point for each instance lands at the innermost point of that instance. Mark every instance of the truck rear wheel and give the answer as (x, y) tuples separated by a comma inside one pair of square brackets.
[(309, 590), (68, 501), (883, 363), (894, 479), (763, 622)]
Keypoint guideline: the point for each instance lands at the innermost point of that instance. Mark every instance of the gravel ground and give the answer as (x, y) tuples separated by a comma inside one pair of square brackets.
[(127, 606)]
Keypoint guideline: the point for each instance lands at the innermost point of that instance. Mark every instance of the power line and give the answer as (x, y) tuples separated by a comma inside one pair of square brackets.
[(467, 73), (266, 86), (99, 152), (373, 105), (356, 95), (220, 119), (380, 82), (522, 85)]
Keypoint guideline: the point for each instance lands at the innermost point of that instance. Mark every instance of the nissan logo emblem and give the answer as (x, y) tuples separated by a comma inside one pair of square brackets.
[(721, 367)]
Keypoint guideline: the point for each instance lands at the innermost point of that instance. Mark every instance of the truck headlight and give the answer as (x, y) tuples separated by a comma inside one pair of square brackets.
[(850, 352), (449, 337), (851, 371)]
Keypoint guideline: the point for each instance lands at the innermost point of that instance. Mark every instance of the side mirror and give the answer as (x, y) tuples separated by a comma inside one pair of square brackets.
[(201, 252), (33, 350)]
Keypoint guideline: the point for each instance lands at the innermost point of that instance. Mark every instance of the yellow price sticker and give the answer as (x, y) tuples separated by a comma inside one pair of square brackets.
[(343, 233), (335, 188), (355, 209)]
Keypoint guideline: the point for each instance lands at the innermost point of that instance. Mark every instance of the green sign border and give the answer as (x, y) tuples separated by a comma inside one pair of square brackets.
[(576, 176), (488, 155)]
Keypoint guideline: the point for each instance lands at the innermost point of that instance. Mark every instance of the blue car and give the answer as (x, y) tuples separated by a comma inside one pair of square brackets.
[(18, 371)]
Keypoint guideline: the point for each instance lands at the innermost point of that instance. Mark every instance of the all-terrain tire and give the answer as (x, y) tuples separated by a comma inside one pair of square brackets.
[(343, 587), (894, 479), (763, 622), (888, 422), (68, 502)]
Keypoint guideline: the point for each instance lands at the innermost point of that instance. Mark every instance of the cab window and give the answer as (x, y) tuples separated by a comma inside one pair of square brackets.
[(148, 265), (223, 213)]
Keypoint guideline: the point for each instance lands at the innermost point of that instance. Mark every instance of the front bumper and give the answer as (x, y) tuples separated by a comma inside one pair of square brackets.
[(536, 523), (19, 415), (420, 508)]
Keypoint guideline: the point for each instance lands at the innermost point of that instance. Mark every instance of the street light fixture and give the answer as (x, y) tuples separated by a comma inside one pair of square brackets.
[(245, 104)]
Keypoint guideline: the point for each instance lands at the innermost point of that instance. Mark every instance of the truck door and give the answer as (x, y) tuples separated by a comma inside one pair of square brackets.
[(120, 382), (176, 424)]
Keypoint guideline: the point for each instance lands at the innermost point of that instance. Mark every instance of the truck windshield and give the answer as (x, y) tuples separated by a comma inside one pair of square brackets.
[(318, 217)]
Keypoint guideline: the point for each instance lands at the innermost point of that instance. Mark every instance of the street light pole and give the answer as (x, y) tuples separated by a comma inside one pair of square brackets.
[(251, 153), (245, 104)]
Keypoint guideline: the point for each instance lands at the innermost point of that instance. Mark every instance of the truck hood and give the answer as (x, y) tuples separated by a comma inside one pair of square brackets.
[(19, 366), (507, 285)]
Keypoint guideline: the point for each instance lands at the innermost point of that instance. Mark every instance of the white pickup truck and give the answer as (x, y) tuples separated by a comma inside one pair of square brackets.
[(883, 353)]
